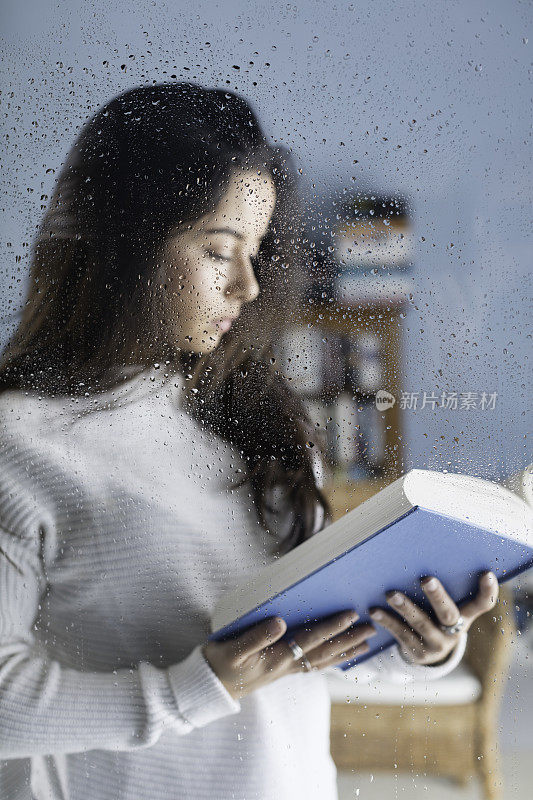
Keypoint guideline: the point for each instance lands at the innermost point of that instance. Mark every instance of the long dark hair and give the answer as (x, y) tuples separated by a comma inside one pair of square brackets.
[(152, 158)]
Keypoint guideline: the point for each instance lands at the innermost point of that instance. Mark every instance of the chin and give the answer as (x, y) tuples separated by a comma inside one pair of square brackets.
[(205, 345)]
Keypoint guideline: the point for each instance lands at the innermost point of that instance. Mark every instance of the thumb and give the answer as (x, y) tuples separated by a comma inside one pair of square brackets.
[(259, 636)]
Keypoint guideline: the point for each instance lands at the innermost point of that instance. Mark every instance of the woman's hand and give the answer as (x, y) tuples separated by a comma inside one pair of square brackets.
[(421, 640), (257, 657)]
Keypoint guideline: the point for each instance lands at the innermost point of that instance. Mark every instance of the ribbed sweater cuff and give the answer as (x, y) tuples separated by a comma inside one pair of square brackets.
[(200, 696)]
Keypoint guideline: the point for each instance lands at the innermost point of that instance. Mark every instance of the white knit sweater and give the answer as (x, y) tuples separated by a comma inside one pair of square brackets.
[(117, 536)]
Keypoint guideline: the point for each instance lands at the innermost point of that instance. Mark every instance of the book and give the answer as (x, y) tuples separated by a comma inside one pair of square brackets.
[(521, 483), (351, 288), (425, 523), (369, 242)]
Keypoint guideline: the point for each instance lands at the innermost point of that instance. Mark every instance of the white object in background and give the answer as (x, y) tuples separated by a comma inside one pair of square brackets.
[(354, 288), (317, 413), (334, 364), (372, 429), (369, 367), (521, 483), (374, 243), (460, 686), (301, 353), (346, 430)]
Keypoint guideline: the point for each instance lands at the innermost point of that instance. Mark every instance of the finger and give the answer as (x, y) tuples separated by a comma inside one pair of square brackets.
[(485, 599), (354, 637), (443, 605), (418, 620), (340, 658), (316, 633), (401, 632), (258, 637)]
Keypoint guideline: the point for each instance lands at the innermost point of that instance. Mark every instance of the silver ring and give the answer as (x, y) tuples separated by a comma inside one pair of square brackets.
[(296, 649), (307, 664), (455, 628), (299, 654)]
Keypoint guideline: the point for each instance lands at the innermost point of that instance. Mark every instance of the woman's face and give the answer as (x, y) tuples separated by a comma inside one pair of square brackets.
[(208, 263)]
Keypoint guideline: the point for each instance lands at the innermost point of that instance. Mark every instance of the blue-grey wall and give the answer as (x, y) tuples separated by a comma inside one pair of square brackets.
[(431, 98)]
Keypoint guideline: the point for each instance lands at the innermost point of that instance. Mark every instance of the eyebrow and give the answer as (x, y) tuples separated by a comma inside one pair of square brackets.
[(226, 230)]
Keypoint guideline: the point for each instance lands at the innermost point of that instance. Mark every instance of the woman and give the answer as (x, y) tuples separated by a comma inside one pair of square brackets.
[(152, 457)]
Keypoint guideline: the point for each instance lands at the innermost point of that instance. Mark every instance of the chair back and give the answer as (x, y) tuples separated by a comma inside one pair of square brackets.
[(489, 649)]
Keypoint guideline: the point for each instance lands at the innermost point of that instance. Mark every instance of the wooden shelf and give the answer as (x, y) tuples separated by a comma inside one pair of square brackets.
[(387, 324)]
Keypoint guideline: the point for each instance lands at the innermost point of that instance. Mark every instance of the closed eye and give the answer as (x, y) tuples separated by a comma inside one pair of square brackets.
[(217, 256)]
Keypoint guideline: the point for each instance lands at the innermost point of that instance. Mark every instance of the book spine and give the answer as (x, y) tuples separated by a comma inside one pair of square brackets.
[(351, 287), (364, 372), (346, 443)]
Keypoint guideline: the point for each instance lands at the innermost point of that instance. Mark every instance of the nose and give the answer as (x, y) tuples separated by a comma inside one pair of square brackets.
[(244, 284)]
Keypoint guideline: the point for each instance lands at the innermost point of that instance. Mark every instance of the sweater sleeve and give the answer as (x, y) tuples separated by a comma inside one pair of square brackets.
[(46, 707), (391, 666)]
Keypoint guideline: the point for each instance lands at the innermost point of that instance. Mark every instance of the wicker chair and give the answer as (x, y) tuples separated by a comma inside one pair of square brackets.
[(454, 740)]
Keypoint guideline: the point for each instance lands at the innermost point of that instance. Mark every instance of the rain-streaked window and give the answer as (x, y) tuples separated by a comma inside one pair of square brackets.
[(265, 471)]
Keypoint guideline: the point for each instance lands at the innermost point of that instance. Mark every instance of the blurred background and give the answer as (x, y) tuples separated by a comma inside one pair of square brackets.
[(410, 124)]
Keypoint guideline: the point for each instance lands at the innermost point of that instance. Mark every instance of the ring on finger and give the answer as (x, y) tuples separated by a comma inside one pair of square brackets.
[(299, 655), (307, 664), (457, 627), (297, 651)]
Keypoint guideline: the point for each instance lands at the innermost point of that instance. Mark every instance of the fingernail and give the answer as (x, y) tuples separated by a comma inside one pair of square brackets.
[(376, 614), (489, 576), (396, 598), (431, 584)]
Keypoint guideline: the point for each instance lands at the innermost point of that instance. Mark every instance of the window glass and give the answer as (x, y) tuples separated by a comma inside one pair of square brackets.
[(262, 265)]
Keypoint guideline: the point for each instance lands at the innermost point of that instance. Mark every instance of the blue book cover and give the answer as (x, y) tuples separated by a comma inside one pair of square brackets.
[(417, 542)]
